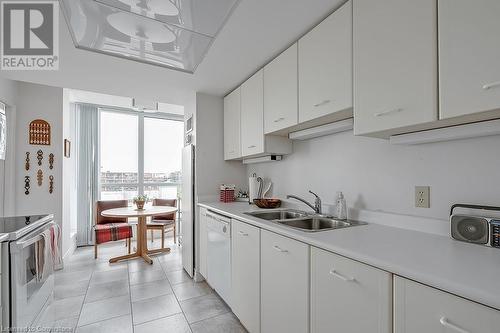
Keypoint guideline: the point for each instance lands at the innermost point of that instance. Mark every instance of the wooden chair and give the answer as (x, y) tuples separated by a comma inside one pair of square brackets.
[(161, 222), (108, 229)]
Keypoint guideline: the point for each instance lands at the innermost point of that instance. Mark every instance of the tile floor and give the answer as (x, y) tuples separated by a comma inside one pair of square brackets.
[(95, 296)]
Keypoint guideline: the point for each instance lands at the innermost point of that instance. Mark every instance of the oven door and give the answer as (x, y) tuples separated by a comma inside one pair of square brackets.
[(32, 278)]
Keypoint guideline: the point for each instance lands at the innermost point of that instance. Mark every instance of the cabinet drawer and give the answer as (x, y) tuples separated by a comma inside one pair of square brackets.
[(419, 308), (342, 289)]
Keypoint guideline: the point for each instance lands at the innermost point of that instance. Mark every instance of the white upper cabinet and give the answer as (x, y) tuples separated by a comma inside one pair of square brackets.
[(419, 308), (232, 108), (348, 296), (252, 115), (469, 54), (325, 67), (280, 91), (395, 64)]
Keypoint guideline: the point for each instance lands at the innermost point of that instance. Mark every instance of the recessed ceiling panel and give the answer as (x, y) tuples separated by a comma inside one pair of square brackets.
[(173, 34)]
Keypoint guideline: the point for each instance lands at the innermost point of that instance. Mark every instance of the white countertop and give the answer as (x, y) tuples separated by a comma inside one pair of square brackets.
[(467, 270)]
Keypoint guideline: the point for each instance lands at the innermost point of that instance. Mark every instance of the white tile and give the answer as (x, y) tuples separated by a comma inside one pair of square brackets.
[(121, 324), (67, 307), (147, 276), (104, 309), (191, 289), (223, 323), (151, 289), (65, 325), (176, 277), (172, 324), (154, 308), (109, 276), (141, 265), (203, 307), (64, 277), (105, 290), (65, 290)]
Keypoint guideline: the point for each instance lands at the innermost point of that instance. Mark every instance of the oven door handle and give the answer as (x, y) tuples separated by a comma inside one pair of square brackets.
[(19, 245)]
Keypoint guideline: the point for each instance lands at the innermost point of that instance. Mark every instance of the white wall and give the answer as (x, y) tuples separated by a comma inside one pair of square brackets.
[(34, 102), (377, 176), (211, 169)]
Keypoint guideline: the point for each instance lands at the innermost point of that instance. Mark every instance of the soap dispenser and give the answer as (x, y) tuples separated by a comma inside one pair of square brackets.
[(341, 207)]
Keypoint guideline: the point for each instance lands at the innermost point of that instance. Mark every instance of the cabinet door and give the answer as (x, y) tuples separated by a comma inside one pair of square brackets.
[(203, 242), (246, 274), (325, 66), (280, 91), (347, 296), (252, 115), (285, 284), (232, 108), (395, 64), (469, 51), (419, 308)]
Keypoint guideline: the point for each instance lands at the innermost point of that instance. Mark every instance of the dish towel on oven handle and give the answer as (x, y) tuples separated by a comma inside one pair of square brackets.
[(55, 242)]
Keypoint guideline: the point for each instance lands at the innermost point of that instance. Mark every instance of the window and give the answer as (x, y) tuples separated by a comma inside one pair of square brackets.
[(139, 154)]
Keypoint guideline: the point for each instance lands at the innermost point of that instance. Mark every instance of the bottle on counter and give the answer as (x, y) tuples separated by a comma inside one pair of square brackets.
[(341, 207)]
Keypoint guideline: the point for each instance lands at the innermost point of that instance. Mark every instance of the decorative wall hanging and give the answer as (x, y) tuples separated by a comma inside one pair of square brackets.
[(39, 177), (39, 132), (27, 164), (39, 156), (67, 148), (51, 161), (27, 185), (51, 184)]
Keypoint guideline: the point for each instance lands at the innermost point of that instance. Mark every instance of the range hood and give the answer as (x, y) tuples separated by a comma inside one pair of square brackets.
[(171, 33)]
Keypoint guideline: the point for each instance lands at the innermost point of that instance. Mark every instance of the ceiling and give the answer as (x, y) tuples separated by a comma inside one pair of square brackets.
[(256, 32)]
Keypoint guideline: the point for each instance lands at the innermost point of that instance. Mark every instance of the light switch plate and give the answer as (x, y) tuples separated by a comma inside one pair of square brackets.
[(423, 196)]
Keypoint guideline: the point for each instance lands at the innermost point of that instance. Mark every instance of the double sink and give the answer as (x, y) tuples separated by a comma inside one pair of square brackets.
[(303, 221)]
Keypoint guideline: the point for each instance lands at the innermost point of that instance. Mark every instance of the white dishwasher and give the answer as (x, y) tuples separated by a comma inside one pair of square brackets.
[(219, 254)]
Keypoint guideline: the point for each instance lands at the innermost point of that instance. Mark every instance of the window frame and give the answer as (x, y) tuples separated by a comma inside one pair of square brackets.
[(141, 115)]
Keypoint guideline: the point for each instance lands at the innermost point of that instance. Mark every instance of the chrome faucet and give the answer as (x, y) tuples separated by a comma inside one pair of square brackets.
[(317, 201)]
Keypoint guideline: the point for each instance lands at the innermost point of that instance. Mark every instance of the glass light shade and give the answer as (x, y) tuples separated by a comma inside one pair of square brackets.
[(158, 32)]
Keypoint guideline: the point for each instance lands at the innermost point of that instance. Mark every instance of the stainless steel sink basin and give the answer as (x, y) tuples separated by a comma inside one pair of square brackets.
[(314, 223), (309, 222), (277, 214)]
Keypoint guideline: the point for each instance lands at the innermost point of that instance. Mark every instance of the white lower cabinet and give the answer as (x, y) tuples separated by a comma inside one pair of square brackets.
[(284, 284), (245, 272), (419, 308), (203, 242), (348, 296)]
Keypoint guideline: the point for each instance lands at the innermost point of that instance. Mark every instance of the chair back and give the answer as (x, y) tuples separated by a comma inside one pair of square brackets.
[(165, 202), (102, 205)]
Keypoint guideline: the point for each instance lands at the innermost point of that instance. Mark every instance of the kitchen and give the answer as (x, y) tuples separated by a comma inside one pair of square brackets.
[(341, 179)]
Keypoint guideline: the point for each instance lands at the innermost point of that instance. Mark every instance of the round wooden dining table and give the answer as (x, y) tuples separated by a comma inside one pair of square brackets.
[(142, 215)]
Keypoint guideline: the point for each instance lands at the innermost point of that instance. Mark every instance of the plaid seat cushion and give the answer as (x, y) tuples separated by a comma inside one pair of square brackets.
[(106, 232)]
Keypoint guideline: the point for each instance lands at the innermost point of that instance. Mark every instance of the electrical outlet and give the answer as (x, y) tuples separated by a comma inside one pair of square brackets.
[(423, 196)]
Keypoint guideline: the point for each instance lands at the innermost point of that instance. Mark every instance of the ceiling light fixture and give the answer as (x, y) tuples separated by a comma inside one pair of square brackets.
[(175, 34)]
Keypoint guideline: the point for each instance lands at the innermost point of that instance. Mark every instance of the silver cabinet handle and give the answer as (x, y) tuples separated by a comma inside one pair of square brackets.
[(279, 119), (252, 146), (383, 113), (242, 233), (491, 85), (326, 101), (342, 277), (446, 323), (279, 249)]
